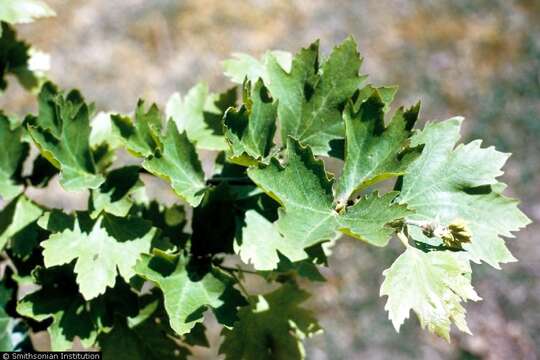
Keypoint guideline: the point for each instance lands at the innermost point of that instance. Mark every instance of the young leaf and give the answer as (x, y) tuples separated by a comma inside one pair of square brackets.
[(191, 115), (179, 165), (310, 97), (432, 284), (272, 327), (61, 133), (13, 153), (374, 152), (113, 243), (188, 291), (448, 183), (250, 129)]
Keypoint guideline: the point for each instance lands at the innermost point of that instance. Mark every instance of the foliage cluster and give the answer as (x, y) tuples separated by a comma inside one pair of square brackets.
[(135, 277)]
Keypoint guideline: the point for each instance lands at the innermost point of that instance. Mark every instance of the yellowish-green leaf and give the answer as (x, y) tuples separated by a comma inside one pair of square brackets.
[(112, 246), (261, 241), (433, 285), (199, 116)]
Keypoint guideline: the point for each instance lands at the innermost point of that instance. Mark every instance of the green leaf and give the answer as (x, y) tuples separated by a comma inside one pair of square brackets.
[(14, 152), (16, 217), (59, 300), (179, 165), (261, 241), (272, 327), (192, 113), (145, 336), (310, 96), (449, 183), (433, 285), (114, 195), (61, 133), (141, 137), (187, 290), (386, 93), (143, 342), (374, 152), (113, 243), (307, 216), (305, 193), (24, 11), (243, 66), (250, 129), (369, 218)]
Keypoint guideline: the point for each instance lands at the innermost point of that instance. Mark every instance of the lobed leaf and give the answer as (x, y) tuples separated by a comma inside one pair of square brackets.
[(179, 165), (61, 132), (431, 284), (243, 67), (374, 152), (250, 129), (271, 327), (261, 241), (188, 291), (307, 215), (141, 137), (112, 243), (448, 183), (310, 96), (198, 114)]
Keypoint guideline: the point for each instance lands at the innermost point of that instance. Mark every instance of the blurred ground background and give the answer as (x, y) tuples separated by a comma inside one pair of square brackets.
[(479, 59)]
